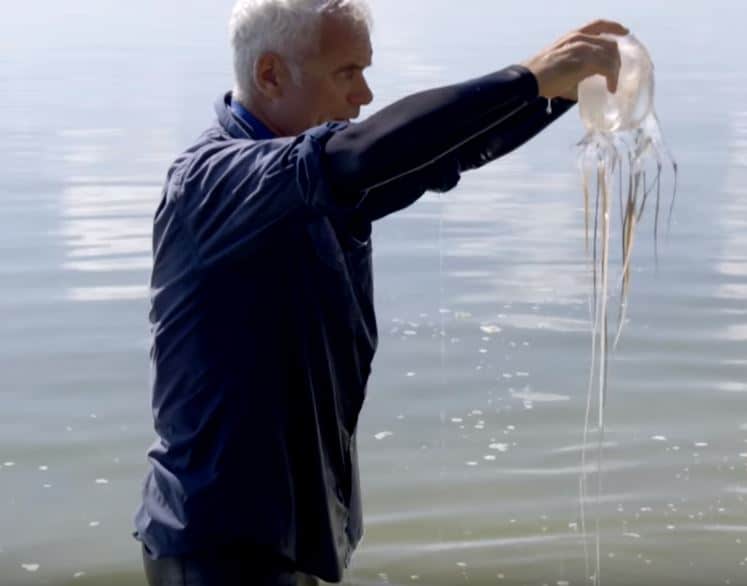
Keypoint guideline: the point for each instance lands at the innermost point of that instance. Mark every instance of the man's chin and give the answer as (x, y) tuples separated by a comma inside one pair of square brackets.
[(325, 120)]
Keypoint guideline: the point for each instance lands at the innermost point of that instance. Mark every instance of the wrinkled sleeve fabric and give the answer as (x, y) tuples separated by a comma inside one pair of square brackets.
[(511, 133), (426, 140), (236, 194)]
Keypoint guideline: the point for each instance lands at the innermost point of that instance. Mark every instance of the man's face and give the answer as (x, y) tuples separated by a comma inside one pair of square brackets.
[(332, 83)]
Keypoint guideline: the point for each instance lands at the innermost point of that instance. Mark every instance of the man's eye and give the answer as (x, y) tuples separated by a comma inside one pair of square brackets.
[(348, 74)]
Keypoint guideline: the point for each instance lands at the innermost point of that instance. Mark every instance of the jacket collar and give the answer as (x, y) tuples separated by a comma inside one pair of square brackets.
[(238, 121)]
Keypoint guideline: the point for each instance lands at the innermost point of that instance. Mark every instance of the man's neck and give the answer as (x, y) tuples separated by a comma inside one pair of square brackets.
[(256, 110)]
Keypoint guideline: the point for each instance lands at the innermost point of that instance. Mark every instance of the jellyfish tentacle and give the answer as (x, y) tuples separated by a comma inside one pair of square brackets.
[(597, 228), (656, 216), (586, 215), (623, 131), (674, 195)]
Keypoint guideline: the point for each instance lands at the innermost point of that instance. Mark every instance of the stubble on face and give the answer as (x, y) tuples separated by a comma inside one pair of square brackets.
[(344, 49)]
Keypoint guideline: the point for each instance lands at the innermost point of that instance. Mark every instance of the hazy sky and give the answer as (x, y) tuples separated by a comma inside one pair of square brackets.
[(52, 23)]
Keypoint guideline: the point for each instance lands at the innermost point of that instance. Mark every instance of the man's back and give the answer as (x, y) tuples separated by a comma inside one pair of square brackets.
[(263, 334)]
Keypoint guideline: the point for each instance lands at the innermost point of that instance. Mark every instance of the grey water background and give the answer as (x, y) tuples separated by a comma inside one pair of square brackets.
[(469, 442)]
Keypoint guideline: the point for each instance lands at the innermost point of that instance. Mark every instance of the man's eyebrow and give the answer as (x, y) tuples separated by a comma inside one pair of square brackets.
[(353, 65)]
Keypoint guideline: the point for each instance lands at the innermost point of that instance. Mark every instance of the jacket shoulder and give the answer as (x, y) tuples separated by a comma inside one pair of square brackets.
[(209, 144)]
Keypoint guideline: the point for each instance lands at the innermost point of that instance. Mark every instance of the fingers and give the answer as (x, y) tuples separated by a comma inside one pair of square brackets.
[(607, 61), (596, 55), (579, 54), (599, 27), (609, 45), (609, 64)]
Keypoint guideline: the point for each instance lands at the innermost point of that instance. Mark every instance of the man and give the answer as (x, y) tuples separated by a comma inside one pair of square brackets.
[(262, 302)]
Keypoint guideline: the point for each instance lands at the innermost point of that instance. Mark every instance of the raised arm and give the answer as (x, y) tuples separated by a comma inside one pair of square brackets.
[(426, 140)]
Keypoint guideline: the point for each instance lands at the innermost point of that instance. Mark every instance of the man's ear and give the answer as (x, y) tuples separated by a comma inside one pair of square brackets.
[(271, 75)]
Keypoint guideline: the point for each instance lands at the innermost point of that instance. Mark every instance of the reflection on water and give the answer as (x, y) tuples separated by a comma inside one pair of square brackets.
[(121, 293), (105, 223)]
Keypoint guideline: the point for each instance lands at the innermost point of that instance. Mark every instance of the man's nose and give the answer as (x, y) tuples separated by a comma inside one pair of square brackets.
[(362, 96)]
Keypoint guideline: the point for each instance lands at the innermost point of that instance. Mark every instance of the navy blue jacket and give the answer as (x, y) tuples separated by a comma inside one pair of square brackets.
[(263, 335), (263, 332)]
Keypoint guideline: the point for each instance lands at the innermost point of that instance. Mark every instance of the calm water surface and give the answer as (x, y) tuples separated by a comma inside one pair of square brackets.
[(470, 442)]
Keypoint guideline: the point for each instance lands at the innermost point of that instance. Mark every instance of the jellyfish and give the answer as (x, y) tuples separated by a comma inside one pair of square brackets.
[(623, 153)]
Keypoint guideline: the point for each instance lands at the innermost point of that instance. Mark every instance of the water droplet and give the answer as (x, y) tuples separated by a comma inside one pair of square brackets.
[(490, 329), (102, 481), (383, 434), (30, 567)]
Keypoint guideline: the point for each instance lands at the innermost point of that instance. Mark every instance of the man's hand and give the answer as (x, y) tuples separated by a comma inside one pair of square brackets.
[(578, 55)]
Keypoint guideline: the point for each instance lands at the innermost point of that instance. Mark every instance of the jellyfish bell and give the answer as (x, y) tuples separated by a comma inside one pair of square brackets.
[(633, 101)]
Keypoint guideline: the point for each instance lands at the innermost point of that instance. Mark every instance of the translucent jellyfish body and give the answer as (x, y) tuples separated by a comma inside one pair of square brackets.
[(623, 141), (633, 101), (621, 158)]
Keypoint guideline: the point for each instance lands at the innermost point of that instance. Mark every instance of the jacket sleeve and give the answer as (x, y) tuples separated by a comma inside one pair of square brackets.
[(511, 133), (425, 141)]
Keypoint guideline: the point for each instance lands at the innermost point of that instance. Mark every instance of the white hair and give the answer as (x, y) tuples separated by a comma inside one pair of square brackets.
[(289, 28)]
